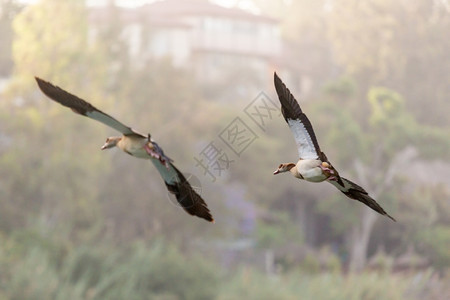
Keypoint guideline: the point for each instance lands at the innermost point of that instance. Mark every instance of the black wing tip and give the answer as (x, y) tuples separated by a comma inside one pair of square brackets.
[(48, 88), (209, 218), (194, 208), (195, 205), (200, 209), (390, 217), (358, 193), (42, 83), (279, 85), (276, 77), (372, 204), (289, 106), (202, 213)]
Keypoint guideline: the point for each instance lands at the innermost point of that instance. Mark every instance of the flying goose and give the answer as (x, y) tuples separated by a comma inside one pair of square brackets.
[(313, 164), (135, 144)]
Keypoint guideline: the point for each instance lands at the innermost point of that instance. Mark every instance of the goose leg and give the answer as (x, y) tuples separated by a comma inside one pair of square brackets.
[(155, 154), (326, 169)]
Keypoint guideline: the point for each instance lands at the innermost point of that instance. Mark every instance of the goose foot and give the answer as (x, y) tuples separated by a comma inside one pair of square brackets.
[(156, 155), (325, 168)]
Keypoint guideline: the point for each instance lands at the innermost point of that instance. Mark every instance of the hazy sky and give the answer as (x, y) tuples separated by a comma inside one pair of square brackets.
[(244, 4)]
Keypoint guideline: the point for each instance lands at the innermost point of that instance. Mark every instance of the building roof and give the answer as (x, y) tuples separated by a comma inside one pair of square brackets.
[(167, 12), (201, 7)]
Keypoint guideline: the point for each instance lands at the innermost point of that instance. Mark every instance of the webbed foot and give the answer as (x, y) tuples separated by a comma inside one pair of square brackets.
[(156, 155), (326, 168)]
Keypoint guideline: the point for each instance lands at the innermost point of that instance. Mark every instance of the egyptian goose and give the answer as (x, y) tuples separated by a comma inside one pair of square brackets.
[(137, 145), (313, 164)]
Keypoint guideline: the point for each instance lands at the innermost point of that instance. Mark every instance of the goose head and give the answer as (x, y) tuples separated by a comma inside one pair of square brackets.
[(111, 142), (284, 168)]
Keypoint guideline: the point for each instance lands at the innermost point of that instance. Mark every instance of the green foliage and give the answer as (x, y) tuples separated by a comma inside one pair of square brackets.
[(140, 272), (162, 271), (386, 105), (39, 42), (436, 241), (336, 125), (344, 87), (310, 264), (278, 231), (397, 127), (322, 260), (8, 9), (395, 44), (378, 139), (250, 284), (390, 121), (431, 233), (42, 48)]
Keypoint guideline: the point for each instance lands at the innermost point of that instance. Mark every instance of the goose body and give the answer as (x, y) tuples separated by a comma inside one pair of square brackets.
[(313, 164), (310, 170), (137, 145)]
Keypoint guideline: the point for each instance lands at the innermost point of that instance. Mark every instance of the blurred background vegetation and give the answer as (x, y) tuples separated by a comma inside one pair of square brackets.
[(78, 223)]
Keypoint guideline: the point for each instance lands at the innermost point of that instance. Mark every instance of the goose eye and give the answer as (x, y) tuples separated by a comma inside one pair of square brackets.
[(280, 166)]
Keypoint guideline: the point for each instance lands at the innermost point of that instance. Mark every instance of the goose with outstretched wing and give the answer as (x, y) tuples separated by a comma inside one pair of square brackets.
[(135, 144), (313, 164)]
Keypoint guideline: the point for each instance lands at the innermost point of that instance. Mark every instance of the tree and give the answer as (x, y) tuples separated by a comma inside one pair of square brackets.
[(45, 183), (397, 44), (8, 10), (380, 150)]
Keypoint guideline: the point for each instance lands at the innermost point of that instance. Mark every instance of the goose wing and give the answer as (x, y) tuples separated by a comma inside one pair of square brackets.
[(82, 107), (355, 192), (186, 196), (301, 128)]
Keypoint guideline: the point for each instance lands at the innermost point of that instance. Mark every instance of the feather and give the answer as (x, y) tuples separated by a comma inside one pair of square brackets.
[(355, 192), (301, 127), (82, 107)]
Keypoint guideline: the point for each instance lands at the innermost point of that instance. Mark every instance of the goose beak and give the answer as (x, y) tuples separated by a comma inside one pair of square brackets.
[(104, 146), (276, 172)]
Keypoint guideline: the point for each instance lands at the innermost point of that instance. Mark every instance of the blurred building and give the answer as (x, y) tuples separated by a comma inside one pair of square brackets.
[(197, 34)]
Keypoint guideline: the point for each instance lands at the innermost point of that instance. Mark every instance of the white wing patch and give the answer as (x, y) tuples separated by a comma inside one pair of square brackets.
[(347, 186), (109, 121), (305, 145), (170, 176)]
